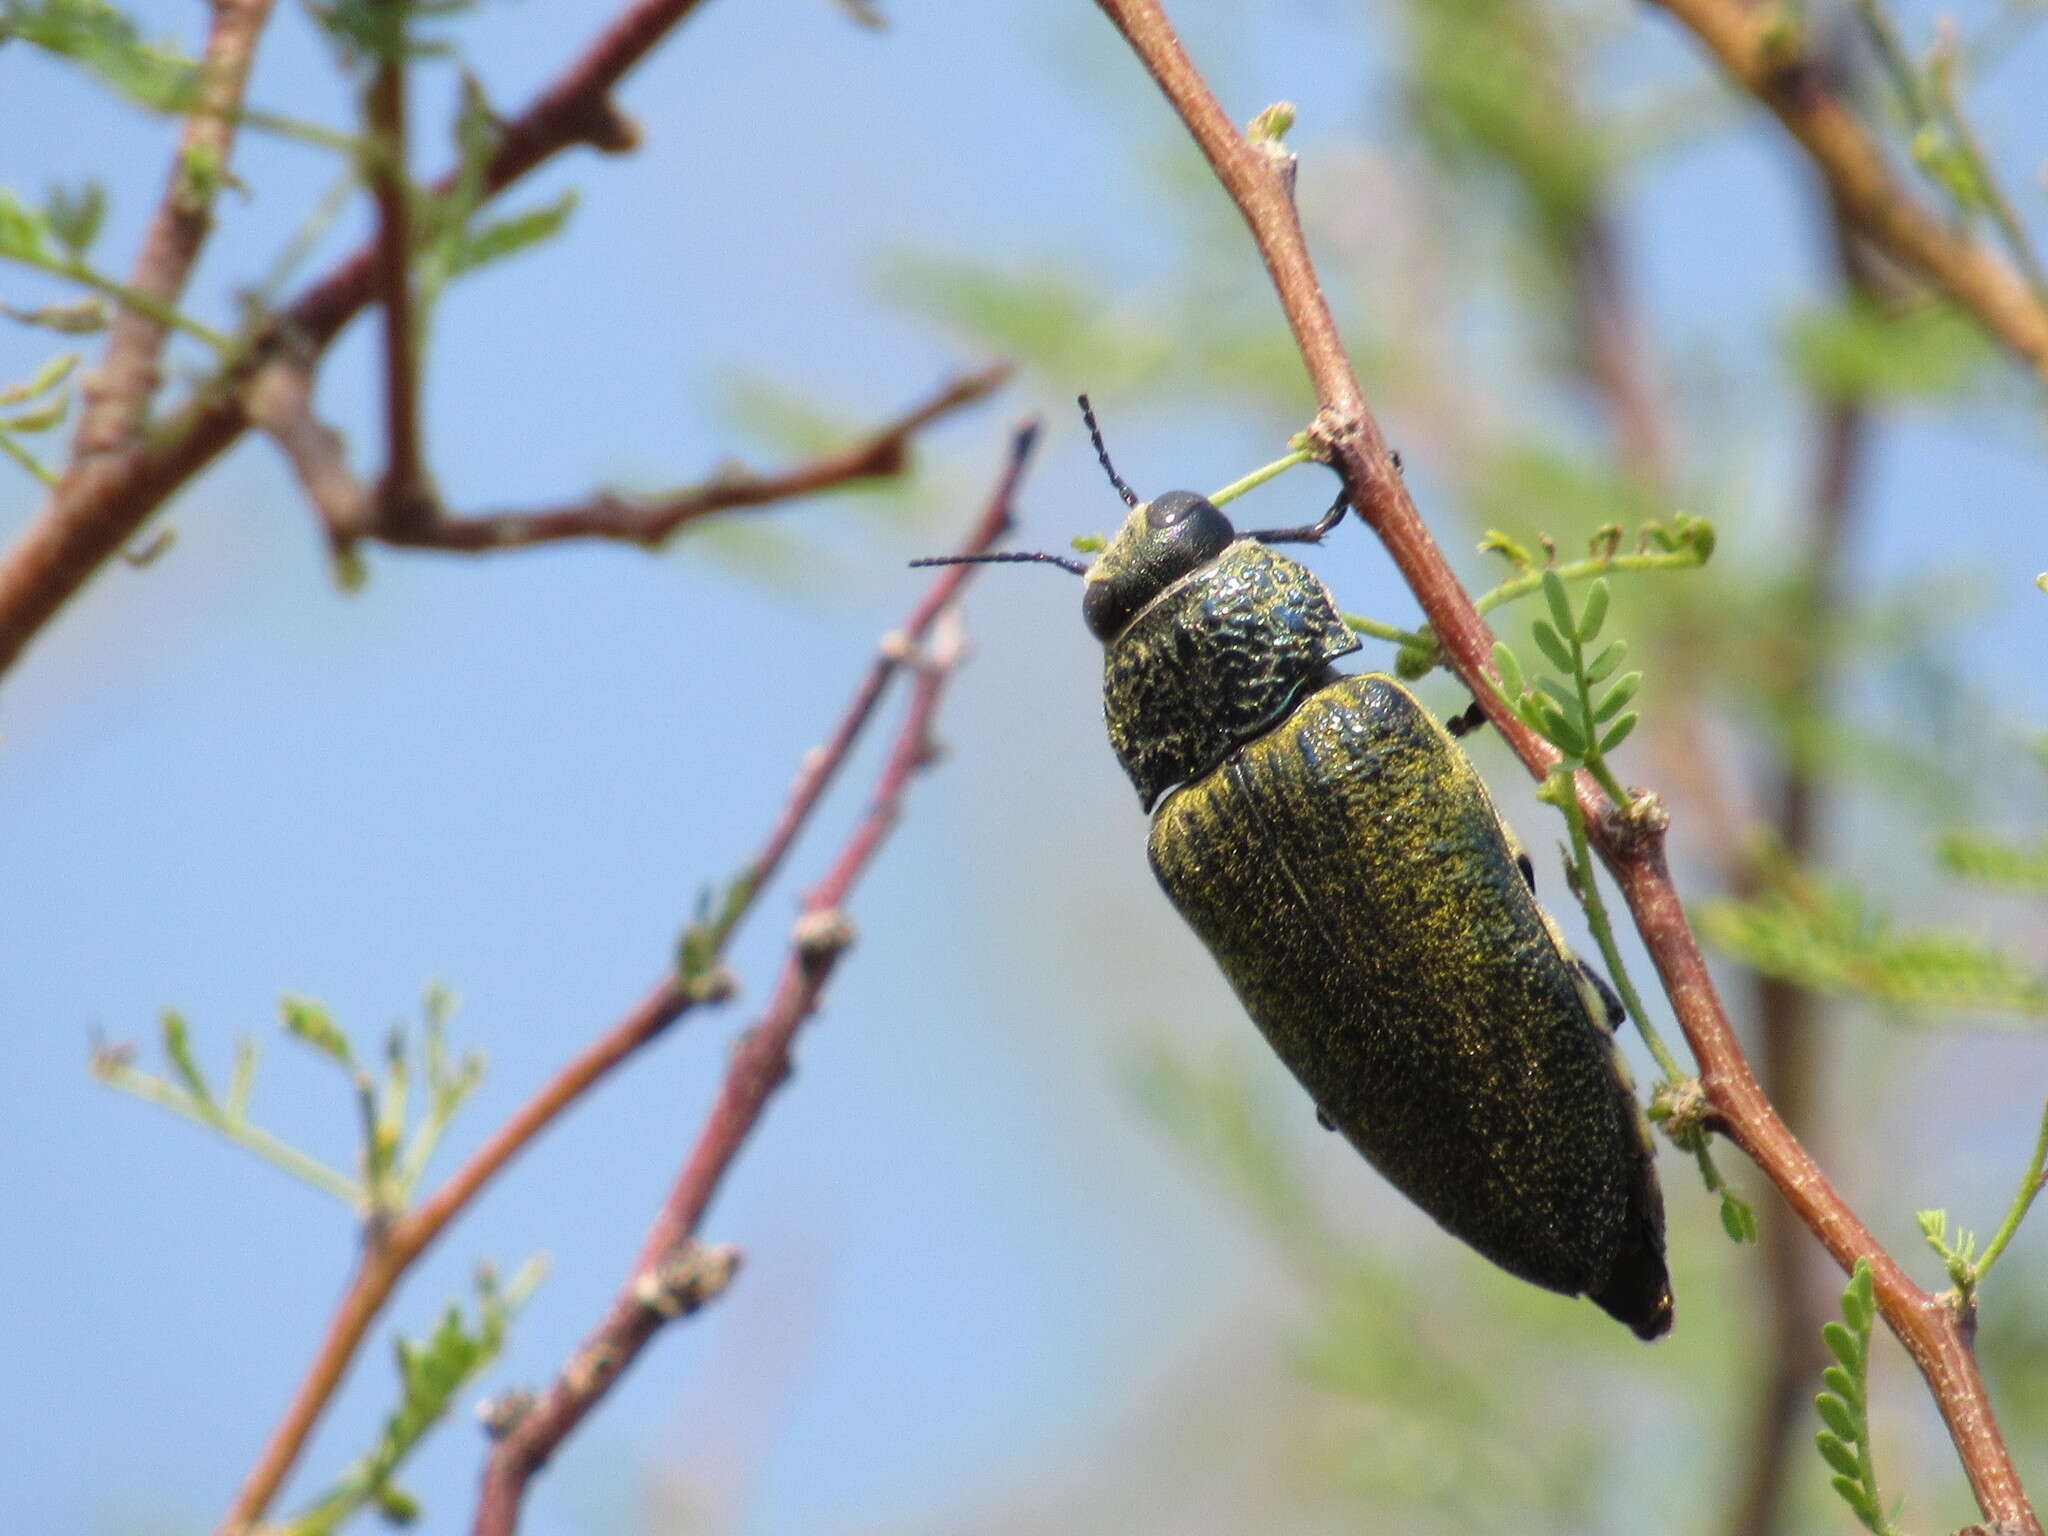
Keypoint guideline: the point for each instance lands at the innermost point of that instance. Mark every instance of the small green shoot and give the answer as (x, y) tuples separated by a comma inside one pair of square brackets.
[(431, 1373), (1966, 1267), (1686, 543), (1845, 1407)]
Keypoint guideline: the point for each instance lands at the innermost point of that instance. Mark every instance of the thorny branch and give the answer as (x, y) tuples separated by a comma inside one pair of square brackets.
[(104, 499), (118, 395), (1258, 177), (670, 1278), (392, 1251), (280, 403)]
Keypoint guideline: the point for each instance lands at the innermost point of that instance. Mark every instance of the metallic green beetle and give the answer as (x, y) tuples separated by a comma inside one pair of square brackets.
[(1346, 867)]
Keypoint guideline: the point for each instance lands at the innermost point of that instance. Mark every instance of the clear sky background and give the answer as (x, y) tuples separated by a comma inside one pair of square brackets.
[(222, 779)]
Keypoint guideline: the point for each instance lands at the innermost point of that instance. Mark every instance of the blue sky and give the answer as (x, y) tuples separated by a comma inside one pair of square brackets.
[(221, 779)]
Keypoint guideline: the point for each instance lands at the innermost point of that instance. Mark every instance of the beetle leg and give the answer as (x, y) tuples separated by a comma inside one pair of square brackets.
[(1308, 533), (1528, 871), (1466, 720), (1324, 1120)]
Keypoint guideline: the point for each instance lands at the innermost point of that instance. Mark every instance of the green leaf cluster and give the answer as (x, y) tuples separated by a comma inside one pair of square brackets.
[(395, 1146), (1866, 351), (1844, 1407), (101, 39), (1829, 937), (432, 1373), (1582, 711)]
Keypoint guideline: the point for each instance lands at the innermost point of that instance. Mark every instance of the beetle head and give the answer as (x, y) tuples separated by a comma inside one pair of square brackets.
[(1161, 541)]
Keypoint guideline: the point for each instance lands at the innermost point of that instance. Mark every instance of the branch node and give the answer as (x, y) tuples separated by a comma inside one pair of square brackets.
[(591, 1370), (500, 1415), (716, 985), (686, 1277), (1683, 1110), (821, 937)]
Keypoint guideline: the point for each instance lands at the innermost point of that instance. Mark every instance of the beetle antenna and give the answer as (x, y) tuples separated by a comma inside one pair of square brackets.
[(1008, 557), (1095, 436), (1308, 533)]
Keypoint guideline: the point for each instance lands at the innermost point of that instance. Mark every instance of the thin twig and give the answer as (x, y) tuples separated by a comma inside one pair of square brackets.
[(117, 396), (391, 1254), (106, 498), (1631, 841), (760, 1065), (1763, 50)]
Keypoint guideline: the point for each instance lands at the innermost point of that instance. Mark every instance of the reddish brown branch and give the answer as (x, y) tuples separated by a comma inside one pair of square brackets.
[(1632, 844), (117, 396), (1768, 58), (387, 1259), (103, 500), (403, 493), (280, 403), (654, 520), (759, 1066)]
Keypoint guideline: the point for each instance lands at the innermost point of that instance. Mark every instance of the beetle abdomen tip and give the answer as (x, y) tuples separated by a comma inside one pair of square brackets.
[(1638, 1290)]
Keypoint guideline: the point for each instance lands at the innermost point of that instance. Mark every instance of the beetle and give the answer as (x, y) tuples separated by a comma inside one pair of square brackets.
[(1345, 866)]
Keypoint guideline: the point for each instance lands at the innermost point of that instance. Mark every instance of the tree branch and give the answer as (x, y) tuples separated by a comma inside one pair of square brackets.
[(1258, 177), (761, 1062), (760, 1065), (389, 1255), (117, 396), (280, 403), (103, 501), (1770, 60), (403, 493)]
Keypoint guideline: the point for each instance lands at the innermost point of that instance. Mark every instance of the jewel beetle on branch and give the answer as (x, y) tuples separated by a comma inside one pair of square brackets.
[(1344, 864)]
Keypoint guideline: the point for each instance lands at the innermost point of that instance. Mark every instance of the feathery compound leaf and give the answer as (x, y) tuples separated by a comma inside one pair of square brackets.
[(1829, 938), (1987, 859), (1842, 1408), (101, 40)]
